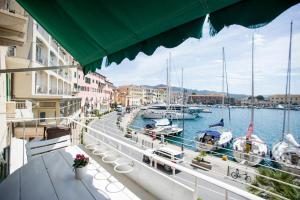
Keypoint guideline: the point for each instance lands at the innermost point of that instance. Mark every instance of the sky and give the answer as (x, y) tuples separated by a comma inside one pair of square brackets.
[(201, 60)]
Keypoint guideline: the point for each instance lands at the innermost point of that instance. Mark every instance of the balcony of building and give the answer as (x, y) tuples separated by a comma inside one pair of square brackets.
[(115, 169), (42, 32), (54, 45), (53, 85), (13, 23), (41, 80), (18, 108), (60, 87), (41, 52)]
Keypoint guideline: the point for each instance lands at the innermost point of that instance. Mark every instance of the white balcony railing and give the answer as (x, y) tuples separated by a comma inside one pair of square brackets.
[(202, 185)]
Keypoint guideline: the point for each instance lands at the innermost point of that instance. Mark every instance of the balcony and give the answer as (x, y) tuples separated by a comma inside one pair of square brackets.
[(115, 170), (54, 45), (43, 32), (13, 23), (19, 109)]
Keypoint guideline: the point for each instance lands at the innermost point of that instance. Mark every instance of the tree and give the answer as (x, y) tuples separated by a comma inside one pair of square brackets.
[(260, 98), (274, 186), (193, 93)]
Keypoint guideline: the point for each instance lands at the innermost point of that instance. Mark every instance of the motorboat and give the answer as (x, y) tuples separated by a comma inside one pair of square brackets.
[(162, 127)]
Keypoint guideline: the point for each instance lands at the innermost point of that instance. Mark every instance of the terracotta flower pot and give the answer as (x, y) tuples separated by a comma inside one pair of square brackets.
[(80, 172)]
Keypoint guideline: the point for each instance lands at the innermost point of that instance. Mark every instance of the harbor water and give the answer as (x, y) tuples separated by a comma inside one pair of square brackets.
[(267, 125)]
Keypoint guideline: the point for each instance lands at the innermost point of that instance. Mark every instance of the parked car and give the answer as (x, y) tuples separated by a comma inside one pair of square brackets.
[(166, 153), (120, 110)]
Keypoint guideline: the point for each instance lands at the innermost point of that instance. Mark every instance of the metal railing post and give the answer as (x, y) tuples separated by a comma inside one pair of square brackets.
[(195, 196)]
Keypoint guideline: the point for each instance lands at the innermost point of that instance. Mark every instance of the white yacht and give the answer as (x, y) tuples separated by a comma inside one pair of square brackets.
[(162, 127)]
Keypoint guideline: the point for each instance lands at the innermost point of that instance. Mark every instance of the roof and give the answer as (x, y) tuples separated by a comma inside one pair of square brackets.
[(210, 132), (90, 30), (169, 150)]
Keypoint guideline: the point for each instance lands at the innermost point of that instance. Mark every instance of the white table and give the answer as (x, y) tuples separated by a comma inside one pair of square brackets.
[(51, 177)]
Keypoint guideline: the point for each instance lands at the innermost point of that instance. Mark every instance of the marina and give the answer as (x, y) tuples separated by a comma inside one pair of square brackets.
[(268, 125)]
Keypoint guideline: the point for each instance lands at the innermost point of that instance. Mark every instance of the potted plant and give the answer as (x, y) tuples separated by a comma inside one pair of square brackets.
[(80, 166), (199, 161)]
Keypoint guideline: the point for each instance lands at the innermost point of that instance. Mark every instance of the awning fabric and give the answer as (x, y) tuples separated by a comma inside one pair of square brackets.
[(92, 29)]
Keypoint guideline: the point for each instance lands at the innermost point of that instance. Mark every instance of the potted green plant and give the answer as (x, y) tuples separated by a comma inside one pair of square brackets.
[(199, 161), (80, 166)]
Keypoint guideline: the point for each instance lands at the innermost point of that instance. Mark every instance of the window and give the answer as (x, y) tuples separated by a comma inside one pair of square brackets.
[(39, 54), (11, 51), (42, 116), (87, 80), (75, 75)]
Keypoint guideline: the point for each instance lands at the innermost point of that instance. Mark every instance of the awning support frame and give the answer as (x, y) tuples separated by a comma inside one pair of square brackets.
[(31, 69)]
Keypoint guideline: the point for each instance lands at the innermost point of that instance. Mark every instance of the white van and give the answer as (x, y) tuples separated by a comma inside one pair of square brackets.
[(166, 153)]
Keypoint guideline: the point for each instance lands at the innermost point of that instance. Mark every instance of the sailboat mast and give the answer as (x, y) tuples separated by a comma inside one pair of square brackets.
[(227, 90), (223, 74), (252, 86), (288, 88), (290, 71), (169, 85), (168, 97)]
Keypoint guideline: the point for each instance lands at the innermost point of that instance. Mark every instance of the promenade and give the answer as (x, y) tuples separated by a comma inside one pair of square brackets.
[(221, 169)]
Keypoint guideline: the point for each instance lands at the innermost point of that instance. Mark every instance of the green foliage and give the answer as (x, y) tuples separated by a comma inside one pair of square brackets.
[(274, 186), (260, 97), (199, 198), (80, 161), (201, 156)]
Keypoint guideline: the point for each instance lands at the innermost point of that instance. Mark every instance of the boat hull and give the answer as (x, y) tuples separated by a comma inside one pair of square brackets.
[(254, 156)]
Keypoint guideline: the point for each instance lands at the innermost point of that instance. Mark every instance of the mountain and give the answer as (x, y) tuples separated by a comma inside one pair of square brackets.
[(190, 91)]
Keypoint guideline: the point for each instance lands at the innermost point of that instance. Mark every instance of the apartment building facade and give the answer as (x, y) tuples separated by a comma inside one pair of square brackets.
[(94, 89), (281, 99), (50, 91), (13, 26), (134, 95)]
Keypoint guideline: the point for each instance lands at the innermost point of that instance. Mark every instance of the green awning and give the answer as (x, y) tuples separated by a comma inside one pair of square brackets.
[(119, 29)]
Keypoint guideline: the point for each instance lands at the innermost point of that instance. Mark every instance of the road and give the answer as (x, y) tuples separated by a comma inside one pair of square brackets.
[(107, 124)]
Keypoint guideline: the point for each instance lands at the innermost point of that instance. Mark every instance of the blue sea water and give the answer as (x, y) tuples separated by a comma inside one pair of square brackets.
[(267, 124)]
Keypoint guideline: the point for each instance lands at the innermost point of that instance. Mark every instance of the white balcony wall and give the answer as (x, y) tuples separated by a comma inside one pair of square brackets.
[(60, 86), (53, 85), (41, 82)]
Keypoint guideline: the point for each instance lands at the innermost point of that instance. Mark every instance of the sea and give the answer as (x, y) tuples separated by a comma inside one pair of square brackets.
[(268, 124)]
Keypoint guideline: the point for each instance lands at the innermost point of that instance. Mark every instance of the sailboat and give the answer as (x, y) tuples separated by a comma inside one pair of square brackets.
[(287, 151), (250, 149), (211, 140)]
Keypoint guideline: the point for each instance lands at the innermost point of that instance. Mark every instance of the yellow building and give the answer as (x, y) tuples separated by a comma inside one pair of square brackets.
[(281, 99)]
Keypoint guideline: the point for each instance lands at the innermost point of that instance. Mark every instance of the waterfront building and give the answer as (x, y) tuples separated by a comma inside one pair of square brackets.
[(94, 89), (131, 95), (49, 91), (209, 99), (134, 95), (13, 26), (281, 99), (162, 94)]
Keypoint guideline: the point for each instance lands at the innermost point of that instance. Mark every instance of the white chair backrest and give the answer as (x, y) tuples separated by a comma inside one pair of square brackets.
[(35, 148)]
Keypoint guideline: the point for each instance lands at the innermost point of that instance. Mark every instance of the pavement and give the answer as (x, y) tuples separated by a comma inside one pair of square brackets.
[(220, 169)]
